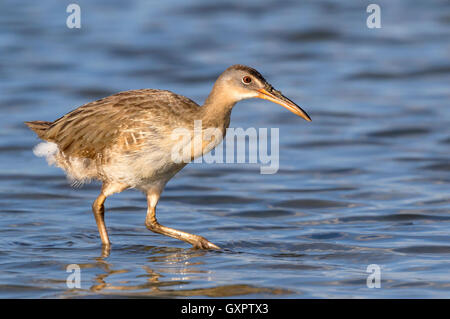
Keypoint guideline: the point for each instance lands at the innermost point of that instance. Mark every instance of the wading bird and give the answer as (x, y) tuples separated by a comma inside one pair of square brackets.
[(124, 140)]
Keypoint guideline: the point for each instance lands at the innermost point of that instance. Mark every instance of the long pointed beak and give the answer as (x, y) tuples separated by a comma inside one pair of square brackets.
[(276, 97)]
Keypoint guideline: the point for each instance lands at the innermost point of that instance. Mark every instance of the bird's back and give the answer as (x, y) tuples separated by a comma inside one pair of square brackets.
[(96, 126), (124, 123)]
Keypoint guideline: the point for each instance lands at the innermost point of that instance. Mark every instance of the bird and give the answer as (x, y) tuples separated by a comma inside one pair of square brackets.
[(124, 140)]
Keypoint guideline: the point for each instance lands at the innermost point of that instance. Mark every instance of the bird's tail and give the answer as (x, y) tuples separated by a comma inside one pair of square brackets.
[(39, 127)]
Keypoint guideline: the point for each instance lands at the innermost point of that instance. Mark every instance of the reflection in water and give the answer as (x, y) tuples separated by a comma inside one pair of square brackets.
[(156, 283)]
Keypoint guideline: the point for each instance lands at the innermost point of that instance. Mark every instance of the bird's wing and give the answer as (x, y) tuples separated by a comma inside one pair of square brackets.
[(120, 118)]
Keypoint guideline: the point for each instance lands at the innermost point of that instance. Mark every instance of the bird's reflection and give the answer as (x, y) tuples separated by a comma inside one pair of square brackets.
[(167, 271), (165, 255)]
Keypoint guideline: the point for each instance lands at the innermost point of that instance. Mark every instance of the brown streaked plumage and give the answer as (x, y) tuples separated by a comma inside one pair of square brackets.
[(125, 140)]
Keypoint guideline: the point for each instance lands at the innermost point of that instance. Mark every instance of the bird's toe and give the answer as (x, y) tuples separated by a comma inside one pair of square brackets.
[(202, 243)]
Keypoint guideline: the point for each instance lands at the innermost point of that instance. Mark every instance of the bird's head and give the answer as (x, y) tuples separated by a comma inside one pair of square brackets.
[(242, 82)]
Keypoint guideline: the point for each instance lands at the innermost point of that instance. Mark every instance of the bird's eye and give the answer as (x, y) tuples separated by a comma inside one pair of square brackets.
[(246, 79)]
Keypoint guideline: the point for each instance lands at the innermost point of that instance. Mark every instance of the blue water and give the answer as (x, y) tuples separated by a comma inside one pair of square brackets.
[(367, 182)]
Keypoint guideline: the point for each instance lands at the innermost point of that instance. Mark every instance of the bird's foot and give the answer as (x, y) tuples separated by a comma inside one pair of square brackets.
[(106, 249), (203, 243)]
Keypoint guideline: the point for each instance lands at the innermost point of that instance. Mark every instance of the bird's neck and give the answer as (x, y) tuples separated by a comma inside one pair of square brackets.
[(215, 118), (217, 108)]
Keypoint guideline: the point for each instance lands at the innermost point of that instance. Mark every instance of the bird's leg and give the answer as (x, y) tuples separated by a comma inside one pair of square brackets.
[(153, 225), (99, 210), (99, 213)]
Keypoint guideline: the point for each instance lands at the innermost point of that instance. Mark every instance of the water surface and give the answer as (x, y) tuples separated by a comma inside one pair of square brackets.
[(367, 182)]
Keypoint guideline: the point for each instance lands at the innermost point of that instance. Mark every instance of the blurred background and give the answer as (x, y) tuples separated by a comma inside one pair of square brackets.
[(367, 182)]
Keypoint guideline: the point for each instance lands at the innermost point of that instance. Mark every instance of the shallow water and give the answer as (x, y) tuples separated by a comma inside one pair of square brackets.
[(367, 182)]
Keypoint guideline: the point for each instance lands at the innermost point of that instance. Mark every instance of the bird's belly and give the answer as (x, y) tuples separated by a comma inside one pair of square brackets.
[(154, 163), (143, 167)]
